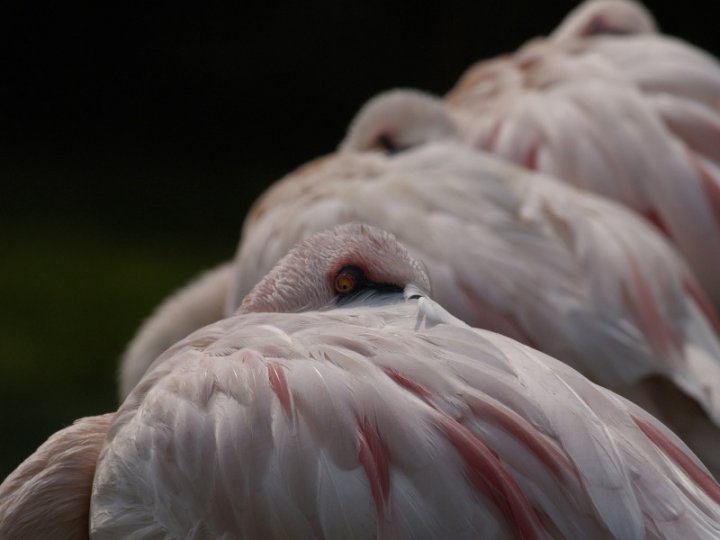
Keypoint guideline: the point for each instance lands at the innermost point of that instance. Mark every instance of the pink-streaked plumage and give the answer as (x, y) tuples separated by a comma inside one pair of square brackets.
[(574, 275), (607, 104), (384, 418), (490, 440)]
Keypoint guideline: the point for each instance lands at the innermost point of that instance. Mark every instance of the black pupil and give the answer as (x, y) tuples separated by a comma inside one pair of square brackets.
[(353, 274)]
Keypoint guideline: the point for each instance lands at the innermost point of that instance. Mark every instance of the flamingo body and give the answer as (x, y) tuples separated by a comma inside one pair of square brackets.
[(569, 273), (392, 422), (48, 496), (610, 106)]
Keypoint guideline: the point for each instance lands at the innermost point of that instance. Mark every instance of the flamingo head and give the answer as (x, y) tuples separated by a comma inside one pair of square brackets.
[(353, 264), (398, 120)]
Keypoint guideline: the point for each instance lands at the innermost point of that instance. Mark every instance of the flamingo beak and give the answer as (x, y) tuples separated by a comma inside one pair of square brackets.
[(413, 292)]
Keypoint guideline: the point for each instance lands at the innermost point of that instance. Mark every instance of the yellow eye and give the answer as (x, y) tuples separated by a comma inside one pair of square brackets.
[(347, 280), (344, 284)]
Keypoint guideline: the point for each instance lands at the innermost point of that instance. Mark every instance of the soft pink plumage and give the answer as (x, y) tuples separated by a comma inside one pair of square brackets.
[(575, 276), (608, 105), (48, 496), (386, 418)]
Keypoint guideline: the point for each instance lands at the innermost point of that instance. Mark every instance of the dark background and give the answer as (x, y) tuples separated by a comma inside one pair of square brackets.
[(134, 136)]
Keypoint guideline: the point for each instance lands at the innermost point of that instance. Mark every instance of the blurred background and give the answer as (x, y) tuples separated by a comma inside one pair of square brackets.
[(135, 135)]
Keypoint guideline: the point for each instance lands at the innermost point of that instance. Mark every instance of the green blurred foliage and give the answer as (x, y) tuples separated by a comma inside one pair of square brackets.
[(69, 302)]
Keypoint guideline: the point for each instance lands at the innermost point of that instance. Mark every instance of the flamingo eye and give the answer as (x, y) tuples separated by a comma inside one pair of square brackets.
[(348, 279)]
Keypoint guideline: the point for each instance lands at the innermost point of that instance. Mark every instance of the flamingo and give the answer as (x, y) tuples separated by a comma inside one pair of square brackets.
[(194, 306), (609, 105), (574, 275), (341, 401), (48, 495)]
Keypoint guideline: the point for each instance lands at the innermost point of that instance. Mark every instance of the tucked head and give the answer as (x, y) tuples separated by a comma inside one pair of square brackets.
[(398, 120), (337, 267), (605, 17)]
